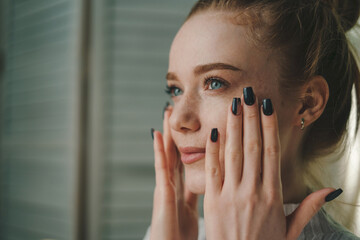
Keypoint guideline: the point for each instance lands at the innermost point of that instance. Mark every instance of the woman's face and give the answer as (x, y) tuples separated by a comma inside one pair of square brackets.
[(210, 63)]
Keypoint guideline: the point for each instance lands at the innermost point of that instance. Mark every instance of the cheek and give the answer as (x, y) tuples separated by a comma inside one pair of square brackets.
[(285, 115), (214, 114)]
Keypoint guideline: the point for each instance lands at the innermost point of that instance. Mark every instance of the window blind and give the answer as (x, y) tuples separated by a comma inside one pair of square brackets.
[(39, 119), (137, 39)]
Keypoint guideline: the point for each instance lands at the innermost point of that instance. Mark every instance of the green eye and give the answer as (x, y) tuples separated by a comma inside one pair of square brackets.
[(173, 91), (177, 91), (215, 84)]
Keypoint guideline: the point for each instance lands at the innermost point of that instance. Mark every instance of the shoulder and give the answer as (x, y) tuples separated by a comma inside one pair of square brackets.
[(322, 226), (341, 235)]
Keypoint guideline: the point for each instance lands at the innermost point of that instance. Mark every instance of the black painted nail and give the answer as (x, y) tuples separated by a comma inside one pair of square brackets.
[(331, 196), (214, 135), (152, 133), (249, 97), (236, 103), (267, 107), (165, 108)]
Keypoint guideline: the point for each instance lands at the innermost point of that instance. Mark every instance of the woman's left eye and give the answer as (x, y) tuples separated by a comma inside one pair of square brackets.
[(214, 83)]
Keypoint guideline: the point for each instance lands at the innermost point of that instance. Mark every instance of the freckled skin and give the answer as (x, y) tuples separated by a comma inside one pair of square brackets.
[(210, 37)]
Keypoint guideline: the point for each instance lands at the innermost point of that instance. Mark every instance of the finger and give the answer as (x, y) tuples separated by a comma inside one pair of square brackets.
[(233, 145), (271, 146), (161, 170), (212, 165), (169, 145), (252, 138), (173, 159), (307, 209)]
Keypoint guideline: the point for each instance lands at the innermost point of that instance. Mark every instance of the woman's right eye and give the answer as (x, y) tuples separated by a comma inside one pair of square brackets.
[(173, 91)]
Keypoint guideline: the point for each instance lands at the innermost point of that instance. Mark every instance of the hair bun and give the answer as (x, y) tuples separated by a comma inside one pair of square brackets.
[(349, 11)]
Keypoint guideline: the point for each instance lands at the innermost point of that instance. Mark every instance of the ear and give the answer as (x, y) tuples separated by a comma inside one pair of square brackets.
[(314, 98)]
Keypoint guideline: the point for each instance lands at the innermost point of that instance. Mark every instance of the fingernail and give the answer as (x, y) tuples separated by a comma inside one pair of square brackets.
[(236, 104), (152, 133), (214, 135), (331, 196), (249, 97), (267, 107), (165, 108)]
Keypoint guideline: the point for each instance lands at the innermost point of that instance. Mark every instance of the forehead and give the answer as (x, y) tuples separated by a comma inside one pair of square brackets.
[(211, 37)]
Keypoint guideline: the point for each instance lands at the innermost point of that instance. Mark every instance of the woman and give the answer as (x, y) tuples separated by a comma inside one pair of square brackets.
[(260, 88)]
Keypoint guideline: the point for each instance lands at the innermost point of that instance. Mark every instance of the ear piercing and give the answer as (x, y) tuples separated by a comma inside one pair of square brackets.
[(302, 123)]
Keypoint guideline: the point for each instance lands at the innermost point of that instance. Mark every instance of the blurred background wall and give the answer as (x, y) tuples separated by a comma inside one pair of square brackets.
[(40, 106), (82, 85)]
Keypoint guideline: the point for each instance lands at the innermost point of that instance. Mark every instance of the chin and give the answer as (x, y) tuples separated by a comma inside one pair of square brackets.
[(195, 177)]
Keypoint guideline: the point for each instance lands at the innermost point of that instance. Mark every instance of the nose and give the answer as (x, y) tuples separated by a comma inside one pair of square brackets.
[(184, 117)]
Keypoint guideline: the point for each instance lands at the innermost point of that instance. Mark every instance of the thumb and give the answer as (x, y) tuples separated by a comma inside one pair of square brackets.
[(307, 209)]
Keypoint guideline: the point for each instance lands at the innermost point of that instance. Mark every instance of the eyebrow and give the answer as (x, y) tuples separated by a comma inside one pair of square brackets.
[(200, 69)]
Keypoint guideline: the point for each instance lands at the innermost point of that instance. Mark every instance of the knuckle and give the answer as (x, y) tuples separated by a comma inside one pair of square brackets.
[(272, 198), (159, 166), (159, 163), (210, 204), (213, 152), (250, 193), (252, 204), (235, 156), (315, 207), (166, 189), (169, 196), (213, 171), (252, 114), (269, 125), (233, 200), (160, 148), (254, 146), (234, 125), (272, 150)]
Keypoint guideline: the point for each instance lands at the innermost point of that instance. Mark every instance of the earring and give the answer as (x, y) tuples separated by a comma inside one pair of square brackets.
[(302, 123)]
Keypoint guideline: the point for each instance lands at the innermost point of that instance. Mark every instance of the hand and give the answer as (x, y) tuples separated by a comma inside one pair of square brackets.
[(175, 213), (247, 202)]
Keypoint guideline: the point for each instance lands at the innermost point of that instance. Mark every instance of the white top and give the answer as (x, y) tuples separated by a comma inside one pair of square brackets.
[(321, 226)]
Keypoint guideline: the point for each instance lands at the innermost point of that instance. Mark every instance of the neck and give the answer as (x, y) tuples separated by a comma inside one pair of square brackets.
[(293, 185), (292, 168)]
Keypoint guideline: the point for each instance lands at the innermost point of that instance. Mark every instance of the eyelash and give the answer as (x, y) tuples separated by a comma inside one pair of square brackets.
[(169, 89), (210, 78), (207, 80)]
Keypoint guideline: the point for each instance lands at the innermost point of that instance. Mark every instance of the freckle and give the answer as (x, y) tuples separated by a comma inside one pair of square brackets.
[(282, 103)]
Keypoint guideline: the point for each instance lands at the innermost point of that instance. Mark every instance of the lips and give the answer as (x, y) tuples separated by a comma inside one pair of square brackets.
[(191, 154)]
